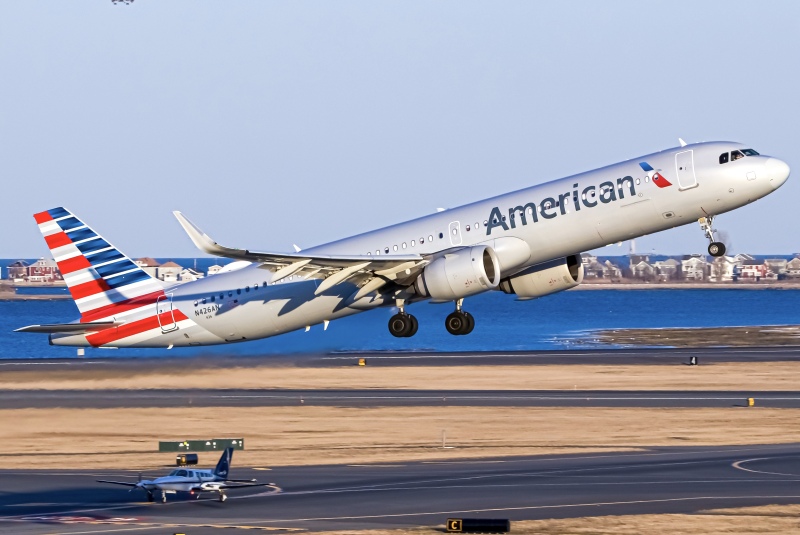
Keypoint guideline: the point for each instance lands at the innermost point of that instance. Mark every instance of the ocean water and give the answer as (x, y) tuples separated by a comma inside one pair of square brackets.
[(560, 321)]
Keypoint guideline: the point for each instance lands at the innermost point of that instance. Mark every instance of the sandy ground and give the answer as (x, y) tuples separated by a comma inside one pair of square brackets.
[(724, 376), (770, 335), (110, 438), (774, 519)]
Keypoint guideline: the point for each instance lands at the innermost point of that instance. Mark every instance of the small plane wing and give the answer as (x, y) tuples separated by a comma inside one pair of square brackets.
[(118, 483), (338, 268), (70, 328)]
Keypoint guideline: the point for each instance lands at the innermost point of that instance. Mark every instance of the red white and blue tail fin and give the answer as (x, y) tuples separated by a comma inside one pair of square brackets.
[(101, 280)]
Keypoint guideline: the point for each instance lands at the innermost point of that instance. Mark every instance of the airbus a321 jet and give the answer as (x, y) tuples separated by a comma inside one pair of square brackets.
[(193, 481), (527, 243)]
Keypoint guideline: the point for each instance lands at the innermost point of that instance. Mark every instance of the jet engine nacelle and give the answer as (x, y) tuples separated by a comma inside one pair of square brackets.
[(545, 279), (460, 274)]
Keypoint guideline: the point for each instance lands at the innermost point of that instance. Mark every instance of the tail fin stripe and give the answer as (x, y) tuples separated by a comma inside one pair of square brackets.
[(92, 245), (81, 234), (42, 217), (86, 289), (70, 223), (59, 239), (115, 268), (126, 279), (71, 265), (105, 256), (56, 213)]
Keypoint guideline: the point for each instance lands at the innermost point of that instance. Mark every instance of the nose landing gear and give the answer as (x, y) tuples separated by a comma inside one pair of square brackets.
[(459, 322), (715, 248)]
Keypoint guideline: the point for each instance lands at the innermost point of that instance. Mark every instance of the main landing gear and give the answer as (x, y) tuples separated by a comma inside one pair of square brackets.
[(222, 496), (403, 325), (459, 322), (715, 248)]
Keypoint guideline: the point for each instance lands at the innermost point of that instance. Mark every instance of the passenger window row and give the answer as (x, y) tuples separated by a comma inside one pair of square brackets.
[(422, 239), (213, 298)]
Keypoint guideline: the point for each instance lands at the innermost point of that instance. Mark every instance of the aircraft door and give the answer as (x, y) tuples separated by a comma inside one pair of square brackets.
[(165, 313), (455, 233), (684, 167)]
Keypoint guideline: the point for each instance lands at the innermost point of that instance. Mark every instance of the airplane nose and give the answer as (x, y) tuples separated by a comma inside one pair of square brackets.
[(777, 171)]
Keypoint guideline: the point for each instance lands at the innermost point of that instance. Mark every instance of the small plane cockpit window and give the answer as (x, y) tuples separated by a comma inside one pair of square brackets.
[(181, 473), (750, 152), (173, 473), (723, 158), (736, 155)]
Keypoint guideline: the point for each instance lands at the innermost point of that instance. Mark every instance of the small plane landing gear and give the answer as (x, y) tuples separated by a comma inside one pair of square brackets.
[(222, 497), (715, 248), (403, 325), (163, 496), (459, 322), (150, 497)]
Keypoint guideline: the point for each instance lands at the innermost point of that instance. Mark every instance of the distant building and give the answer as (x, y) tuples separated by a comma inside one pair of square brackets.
[(18, 270), (793, 268), (611, 271), (189, 274), (753, 270), (776, 266), (724, 269), (169, 271), (669, 269), (643, 270), (43, 271), (148, 265), (213, 270), (694, 268)]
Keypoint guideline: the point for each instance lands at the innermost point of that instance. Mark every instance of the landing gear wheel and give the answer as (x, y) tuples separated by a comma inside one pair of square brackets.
[(400, 325), (716, 249), (150, 497), (414, 326), (163, 497), (222, 497), (459, 322)]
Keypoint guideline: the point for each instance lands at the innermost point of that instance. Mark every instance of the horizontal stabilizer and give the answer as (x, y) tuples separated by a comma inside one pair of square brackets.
[(71, 328)]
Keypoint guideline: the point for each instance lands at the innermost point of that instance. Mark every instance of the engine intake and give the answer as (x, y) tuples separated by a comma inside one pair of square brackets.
[(545, 279), (460, 274)]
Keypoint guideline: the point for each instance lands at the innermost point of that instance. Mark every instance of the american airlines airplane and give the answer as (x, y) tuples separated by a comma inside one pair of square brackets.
[(527, 243)]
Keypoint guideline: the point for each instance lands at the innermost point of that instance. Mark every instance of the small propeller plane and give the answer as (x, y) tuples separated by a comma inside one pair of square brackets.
[(193, 481)]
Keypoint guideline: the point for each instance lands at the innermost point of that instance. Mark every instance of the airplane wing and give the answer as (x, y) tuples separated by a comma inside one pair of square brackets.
[(71, 328), (118, 483), (378, 269)]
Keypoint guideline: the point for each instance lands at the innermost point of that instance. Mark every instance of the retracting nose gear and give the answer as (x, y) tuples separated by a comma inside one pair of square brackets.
[(715, 248)]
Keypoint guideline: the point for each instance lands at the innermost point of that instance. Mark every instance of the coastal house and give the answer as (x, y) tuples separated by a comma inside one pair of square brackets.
[(743, 257), (752, 270), (611, 271), (793, 268), (189, 274), (43, 270), (643, 270), (213, 270), (169, 271), (776, 266), (724, 269), (694, 268), (669, 269), (18, 270), (148, 265)]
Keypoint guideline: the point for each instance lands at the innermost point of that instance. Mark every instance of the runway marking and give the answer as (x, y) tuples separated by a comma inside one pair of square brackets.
[(532, 507), (601, 354), (738, 466)]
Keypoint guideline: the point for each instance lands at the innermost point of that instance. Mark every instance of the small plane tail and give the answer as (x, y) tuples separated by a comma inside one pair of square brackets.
[(99, 277), (224, 465)]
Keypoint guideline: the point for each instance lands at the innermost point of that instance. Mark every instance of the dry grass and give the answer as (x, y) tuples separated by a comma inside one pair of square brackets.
[(110, 438), (773, 519), (722, 376)]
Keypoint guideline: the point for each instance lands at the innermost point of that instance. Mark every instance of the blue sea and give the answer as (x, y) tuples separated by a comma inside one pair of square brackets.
[(560, 321)]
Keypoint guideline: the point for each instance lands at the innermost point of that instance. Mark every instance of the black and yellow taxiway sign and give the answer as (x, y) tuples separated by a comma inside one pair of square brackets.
[(455, 525)]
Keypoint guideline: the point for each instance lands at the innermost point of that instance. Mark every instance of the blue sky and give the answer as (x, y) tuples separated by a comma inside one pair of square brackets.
[(272, 123)]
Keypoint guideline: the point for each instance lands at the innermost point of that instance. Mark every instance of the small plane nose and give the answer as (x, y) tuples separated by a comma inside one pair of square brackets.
[(777, 171)]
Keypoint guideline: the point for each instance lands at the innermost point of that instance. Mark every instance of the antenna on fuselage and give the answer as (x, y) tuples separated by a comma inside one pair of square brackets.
[(682, 142)]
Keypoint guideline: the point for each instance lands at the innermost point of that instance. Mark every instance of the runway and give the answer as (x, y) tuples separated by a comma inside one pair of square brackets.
[(402, 495), (109, 399)]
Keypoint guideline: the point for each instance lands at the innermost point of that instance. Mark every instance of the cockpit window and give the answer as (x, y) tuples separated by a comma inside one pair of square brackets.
[(174, 473), (723, 158), (181, 473), (736, 155), (750, 152)]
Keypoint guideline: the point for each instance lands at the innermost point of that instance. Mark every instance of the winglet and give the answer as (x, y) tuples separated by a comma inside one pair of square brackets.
[(201, 240)]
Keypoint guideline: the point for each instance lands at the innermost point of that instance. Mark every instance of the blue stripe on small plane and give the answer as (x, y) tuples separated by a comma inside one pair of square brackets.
[(70, 223), (82, 234), (55, 213), (130, 278), (645, 167), (92, 245), (105, 256), (116, 267)]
